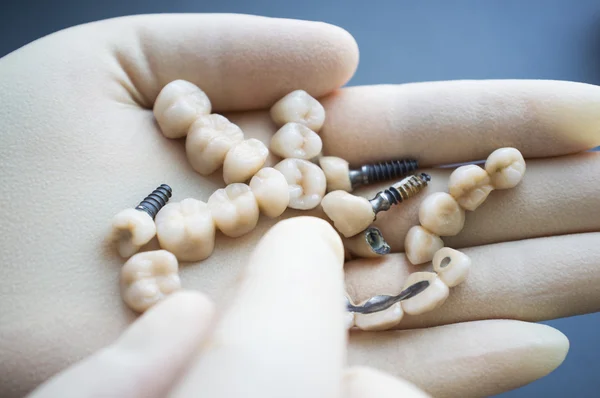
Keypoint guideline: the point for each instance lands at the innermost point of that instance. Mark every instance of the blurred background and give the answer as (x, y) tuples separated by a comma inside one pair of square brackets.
[(409, 41)]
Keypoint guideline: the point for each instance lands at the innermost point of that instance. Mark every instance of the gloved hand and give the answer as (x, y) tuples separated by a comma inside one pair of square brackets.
[(80, 143)]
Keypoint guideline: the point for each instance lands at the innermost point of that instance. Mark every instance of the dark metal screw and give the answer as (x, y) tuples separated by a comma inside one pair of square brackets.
[(156, 200), (383, 171), (399, 192)]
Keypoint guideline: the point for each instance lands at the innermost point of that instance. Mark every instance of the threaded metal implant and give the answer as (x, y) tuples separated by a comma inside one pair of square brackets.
[(156, 200), (382, 171), (399, 192)]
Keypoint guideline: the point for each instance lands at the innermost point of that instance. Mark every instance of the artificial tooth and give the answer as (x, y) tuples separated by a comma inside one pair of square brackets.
[(148, 277), (451, 265), (271, 191), (306, 183), (441, 214), (186, 229), (234, 209), (381, 320), (420, 245), (506, 168), (337, 173), (429, 299), (350, 214), (295, 140), (470, 185), (209, 139), (132, 229), (299, 107), (178, 105), (243, 160)]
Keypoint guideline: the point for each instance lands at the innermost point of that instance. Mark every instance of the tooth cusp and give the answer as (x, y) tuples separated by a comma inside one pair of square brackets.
[(271, 191), (299, 107), (149, 277), (132, 229), (243, 160), (350, 214), (186, 229), (470, 185), (178, 105), (420, 245), (441, 214), (306, 183), (234, 209), (295, 140), (506, 168)]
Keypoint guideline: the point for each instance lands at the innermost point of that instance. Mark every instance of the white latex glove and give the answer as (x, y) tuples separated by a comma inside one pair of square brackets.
[(282, 335), (80, 143)]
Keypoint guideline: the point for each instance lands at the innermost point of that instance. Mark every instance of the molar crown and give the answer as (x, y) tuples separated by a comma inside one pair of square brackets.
[(156, 200)]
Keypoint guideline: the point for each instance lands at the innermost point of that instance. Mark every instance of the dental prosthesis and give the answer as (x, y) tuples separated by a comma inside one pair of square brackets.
[(303, 179)]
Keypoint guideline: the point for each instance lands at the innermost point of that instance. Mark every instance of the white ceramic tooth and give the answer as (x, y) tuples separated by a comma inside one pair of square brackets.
[(234, 209), (470, 185), (350, 214), (186, 229), (420, 245), (381, 320), (243, 160), (452, 266), (506, 168), (178, 105), (306, 183), (149, 277), (295, 140), (441, 214), (132, 229), (271, 191), (208, 141), (337, 173), (429, 299), (299, 107)]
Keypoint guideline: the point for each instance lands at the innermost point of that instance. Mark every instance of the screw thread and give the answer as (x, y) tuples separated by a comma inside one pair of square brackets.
[(407, 188), (156, 200), (391, 170)]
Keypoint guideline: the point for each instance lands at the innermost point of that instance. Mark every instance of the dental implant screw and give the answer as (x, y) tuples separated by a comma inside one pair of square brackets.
[(382, 171), (399, 192), (155, 201)]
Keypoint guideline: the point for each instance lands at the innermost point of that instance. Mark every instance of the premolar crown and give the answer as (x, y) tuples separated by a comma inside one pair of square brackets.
[(156, 200)]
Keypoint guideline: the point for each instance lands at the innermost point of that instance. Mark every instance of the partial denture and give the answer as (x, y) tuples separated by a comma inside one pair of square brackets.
[(178, 105), (148, 277)]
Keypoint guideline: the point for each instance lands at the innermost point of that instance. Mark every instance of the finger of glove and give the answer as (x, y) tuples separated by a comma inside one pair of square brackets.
[(148, 357), (533, 280), (460, 121), (472, 359), (556, 196), (283, 334), (364, 382), (242, 62)]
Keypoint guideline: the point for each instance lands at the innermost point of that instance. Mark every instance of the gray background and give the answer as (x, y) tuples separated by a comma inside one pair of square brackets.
[(409, 41)]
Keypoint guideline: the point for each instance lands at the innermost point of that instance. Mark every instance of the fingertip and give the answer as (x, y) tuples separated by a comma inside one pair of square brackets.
[(309, 229)]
